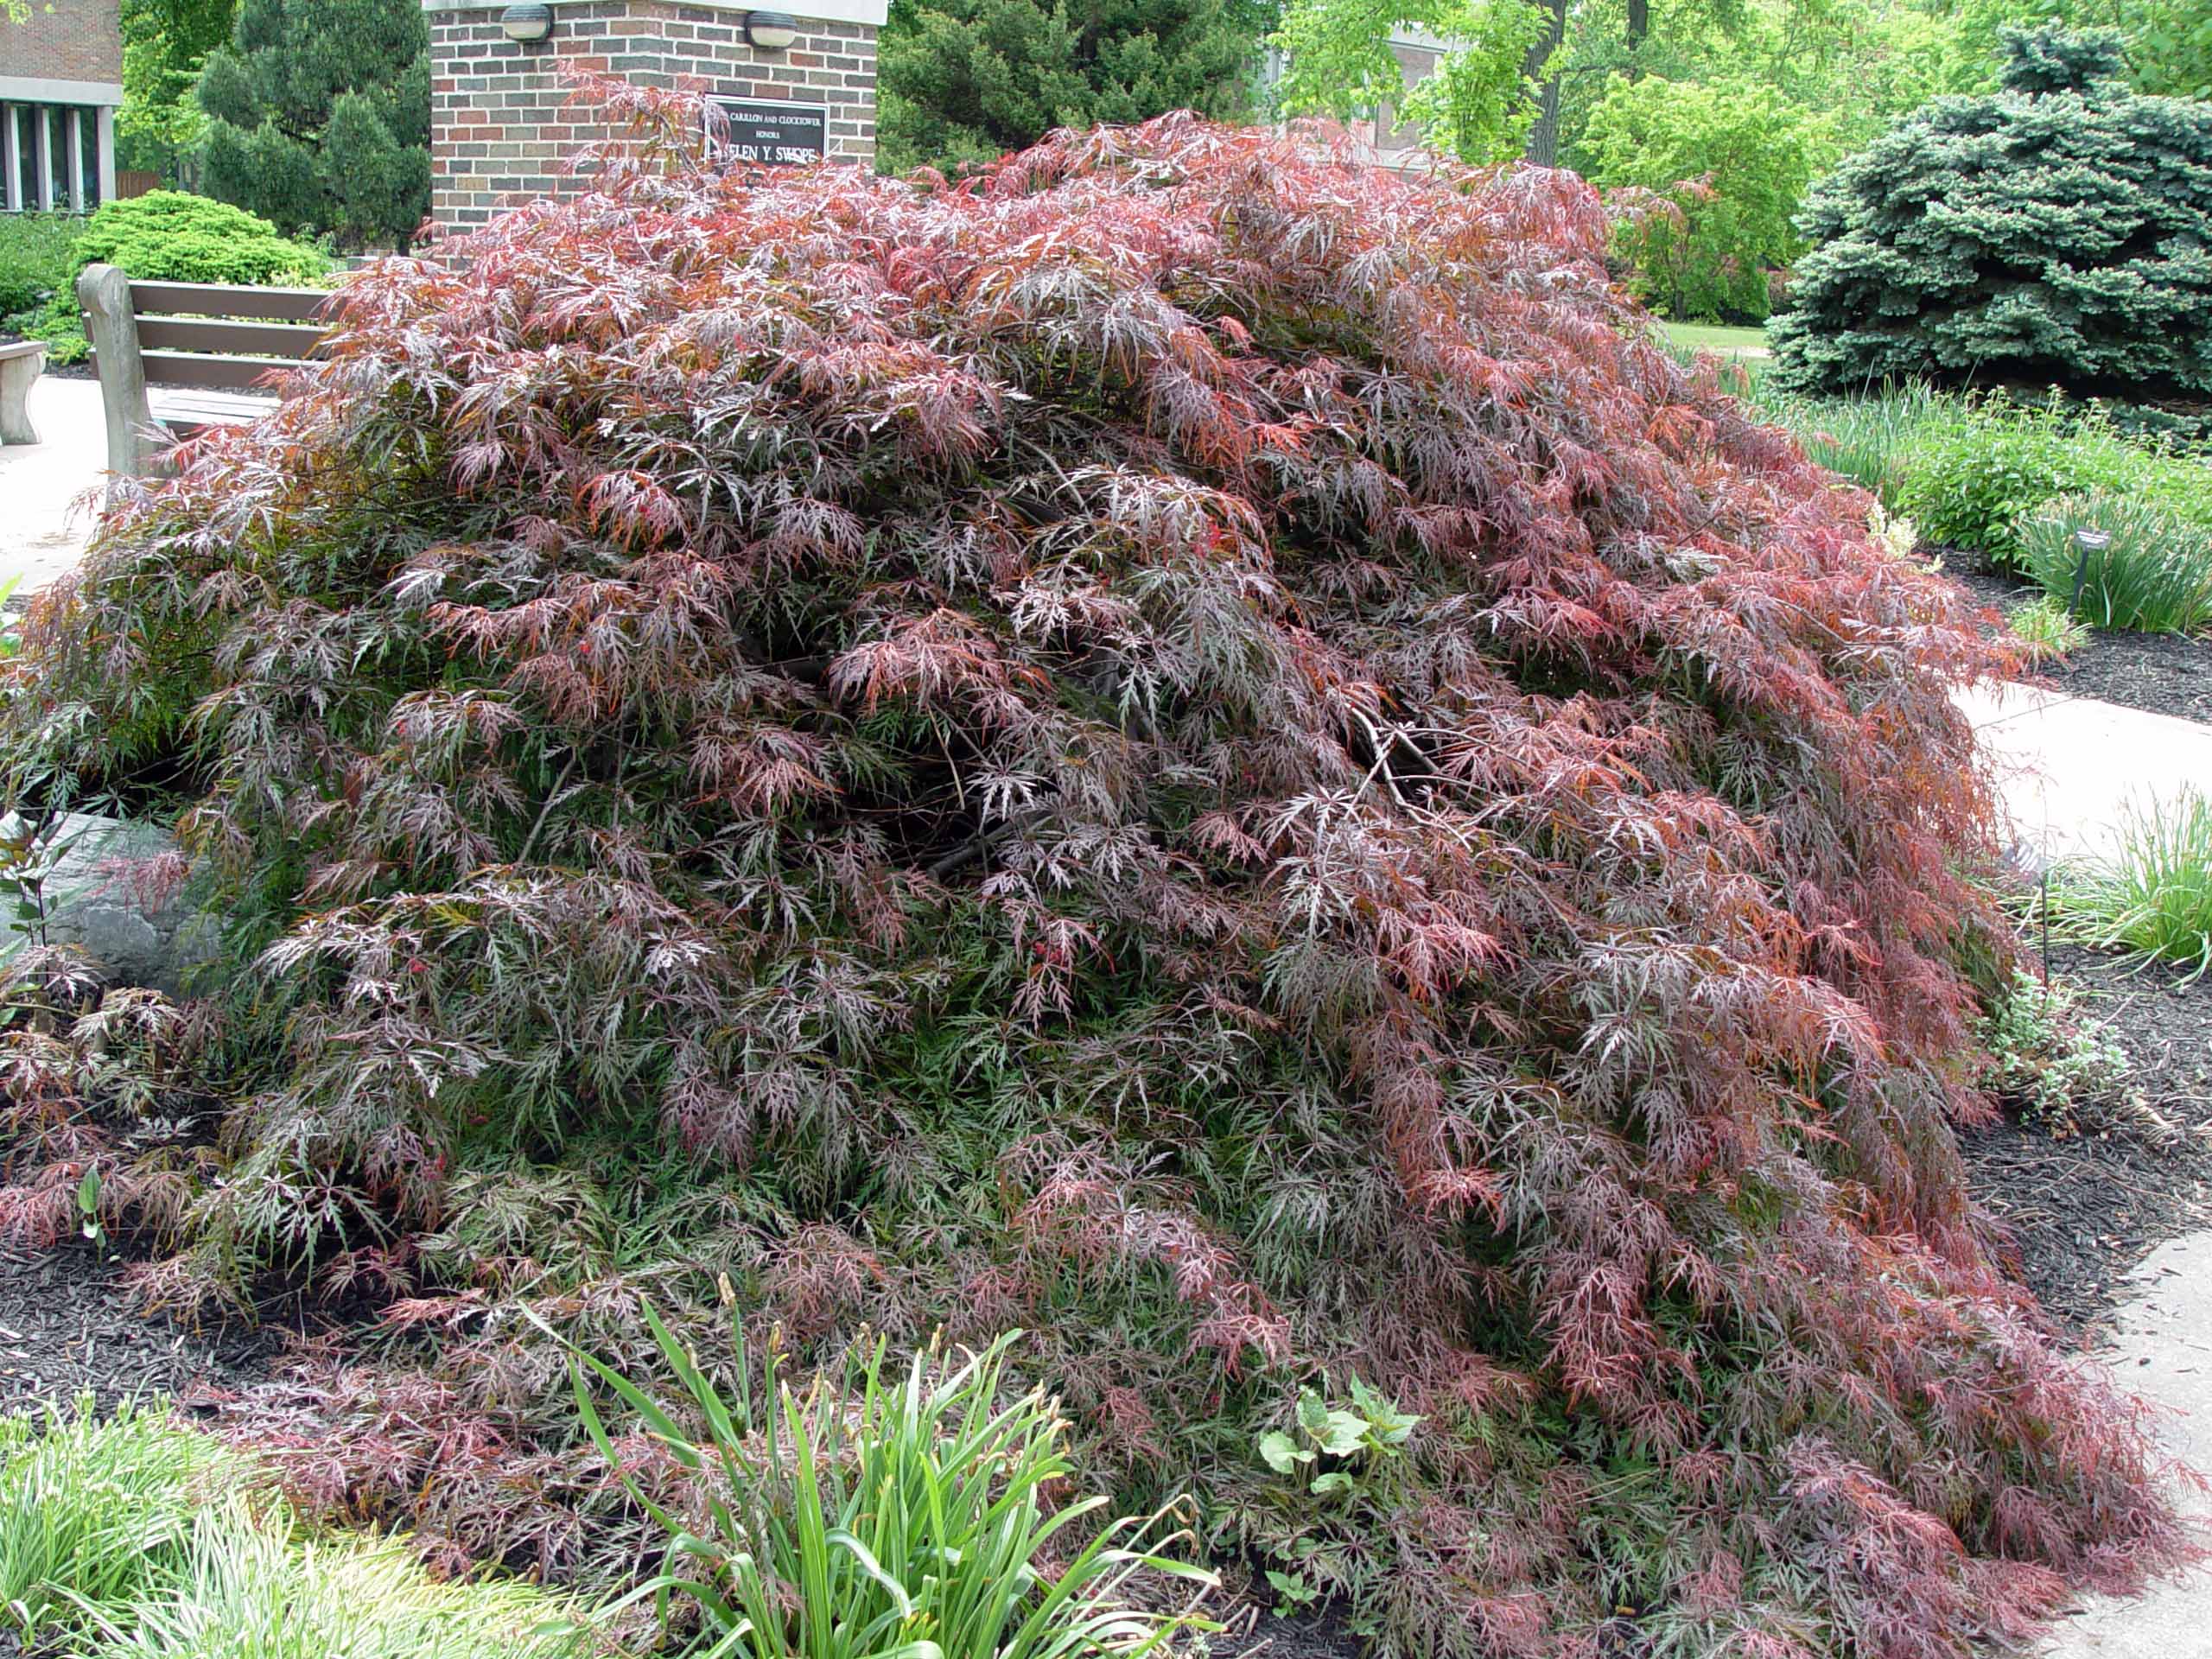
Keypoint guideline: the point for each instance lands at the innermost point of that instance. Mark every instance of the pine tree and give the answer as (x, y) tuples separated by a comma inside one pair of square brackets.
[(967, 80), (2055, 232), (319, 116)]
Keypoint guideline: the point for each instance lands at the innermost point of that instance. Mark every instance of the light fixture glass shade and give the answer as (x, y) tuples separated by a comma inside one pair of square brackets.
[(528, 23), (771, 31)]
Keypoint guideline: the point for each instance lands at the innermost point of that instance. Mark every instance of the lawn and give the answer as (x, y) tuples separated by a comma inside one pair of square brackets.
[(1713, 337)]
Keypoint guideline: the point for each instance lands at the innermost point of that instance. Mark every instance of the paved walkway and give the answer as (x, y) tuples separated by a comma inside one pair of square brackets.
[(42, 530), (2162, 1348), (2070, 766)]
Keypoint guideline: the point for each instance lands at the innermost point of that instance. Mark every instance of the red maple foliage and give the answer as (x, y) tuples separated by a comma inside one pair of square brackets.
[(1186, 744)]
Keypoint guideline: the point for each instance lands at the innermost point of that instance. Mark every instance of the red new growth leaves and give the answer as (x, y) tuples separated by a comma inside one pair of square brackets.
[(1188, 744)]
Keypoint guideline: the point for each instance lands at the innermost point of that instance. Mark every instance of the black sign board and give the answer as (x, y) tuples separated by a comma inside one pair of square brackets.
[(774, 134)]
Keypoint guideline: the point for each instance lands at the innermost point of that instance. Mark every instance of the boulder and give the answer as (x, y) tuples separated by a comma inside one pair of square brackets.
[(139, 932)]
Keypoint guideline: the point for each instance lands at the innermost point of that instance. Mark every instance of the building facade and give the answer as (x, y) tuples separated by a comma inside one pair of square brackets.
[(60, 81), (795, 86)]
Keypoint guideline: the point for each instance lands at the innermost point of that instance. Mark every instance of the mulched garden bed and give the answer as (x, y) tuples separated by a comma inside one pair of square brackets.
[(68, 1327), (2082, 1212), (2159, 673)]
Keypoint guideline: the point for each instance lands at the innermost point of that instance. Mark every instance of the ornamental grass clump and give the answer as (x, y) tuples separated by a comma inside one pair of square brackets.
[(1189, 745), (2151, 893), (2121, 563)]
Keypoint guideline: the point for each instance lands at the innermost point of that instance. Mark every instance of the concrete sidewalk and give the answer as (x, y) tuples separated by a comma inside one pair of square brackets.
[(2069, 766), (2161, 1349), (43, 530)]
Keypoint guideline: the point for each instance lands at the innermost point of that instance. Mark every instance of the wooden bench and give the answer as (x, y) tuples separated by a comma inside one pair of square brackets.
[(20, 363), (214, 345)]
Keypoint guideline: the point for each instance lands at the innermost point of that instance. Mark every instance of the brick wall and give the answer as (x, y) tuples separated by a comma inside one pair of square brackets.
[(501, 124), (77, 40)]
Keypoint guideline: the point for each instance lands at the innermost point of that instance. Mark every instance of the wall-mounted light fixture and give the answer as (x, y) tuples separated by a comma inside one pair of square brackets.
[(529, 23), (771, 31)]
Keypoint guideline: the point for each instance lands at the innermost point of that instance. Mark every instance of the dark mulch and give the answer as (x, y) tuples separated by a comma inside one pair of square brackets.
[(67, 1327), (2082, 1212), (1258, 1634), (2162, 673)]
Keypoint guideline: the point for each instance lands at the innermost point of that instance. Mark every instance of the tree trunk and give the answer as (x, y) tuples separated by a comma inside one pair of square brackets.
[(1543, 137)]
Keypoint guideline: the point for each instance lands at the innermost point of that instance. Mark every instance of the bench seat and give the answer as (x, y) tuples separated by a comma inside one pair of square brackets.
[(187, 414)]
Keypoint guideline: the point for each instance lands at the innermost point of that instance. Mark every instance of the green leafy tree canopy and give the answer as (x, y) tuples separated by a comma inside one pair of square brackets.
[(1734, 159), (1478, 103), (319, 116)]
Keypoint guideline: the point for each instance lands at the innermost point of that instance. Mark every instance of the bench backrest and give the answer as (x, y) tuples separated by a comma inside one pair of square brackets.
[(215, 335), (211, 335)]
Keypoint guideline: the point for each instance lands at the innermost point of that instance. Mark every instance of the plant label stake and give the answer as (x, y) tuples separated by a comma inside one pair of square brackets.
[(2089, 541)]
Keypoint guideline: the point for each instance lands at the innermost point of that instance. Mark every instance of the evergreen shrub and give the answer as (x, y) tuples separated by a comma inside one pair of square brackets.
[(2053, 232), (170, 236), (319, 117), (1191, 747)]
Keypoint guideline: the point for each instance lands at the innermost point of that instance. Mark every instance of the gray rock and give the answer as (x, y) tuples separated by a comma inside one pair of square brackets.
[(92, 903)]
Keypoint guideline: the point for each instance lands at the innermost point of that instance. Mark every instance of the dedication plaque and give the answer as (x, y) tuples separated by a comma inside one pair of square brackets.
[(774, 134)]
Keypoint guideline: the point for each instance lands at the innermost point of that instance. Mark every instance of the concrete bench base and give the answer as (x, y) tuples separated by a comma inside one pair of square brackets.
[(21, 364)]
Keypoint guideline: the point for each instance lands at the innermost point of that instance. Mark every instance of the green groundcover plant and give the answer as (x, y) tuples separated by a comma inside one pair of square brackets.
[(2119, 563), (1187, 745), (2153, 894), (894, 1512), (1978, 473), (35, 259), (2054, 232)]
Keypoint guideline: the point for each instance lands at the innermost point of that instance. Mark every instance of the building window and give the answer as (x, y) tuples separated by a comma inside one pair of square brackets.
[(25, 123), (56, 160), (88, 160), (49, 157)]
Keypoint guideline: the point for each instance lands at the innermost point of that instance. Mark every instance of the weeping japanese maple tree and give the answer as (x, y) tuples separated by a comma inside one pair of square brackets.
[(1189, 745)]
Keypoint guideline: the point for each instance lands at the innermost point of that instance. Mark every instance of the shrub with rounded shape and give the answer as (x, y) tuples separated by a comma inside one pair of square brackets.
[(2053, 233), (169, 237), (1192, 746)]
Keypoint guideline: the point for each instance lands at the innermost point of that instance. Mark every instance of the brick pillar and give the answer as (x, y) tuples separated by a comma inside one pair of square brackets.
[(500, 123)]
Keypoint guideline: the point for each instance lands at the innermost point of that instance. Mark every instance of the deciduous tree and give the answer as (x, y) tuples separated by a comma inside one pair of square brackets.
[(965, 81), (1192, 746)]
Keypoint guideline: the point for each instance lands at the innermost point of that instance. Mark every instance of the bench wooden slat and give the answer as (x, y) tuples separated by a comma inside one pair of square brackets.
[(201, 369), (279, 339), (221, 300)]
